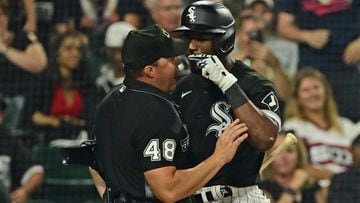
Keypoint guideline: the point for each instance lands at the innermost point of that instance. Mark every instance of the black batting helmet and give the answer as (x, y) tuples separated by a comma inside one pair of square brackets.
[(210, 18)]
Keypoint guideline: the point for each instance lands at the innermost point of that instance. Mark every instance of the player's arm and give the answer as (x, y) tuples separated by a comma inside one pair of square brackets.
[(262, 129), (170, 184)]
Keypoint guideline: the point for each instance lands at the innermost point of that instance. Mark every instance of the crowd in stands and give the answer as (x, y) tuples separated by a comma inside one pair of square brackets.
[(59, 58)]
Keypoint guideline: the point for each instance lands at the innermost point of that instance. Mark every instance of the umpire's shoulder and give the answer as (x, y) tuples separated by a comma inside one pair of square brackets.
[(111, 94)]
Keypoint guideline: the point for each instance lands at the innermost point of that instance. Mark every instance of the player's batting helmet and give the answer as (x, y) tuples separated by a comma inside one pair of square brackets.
[(210, 18)]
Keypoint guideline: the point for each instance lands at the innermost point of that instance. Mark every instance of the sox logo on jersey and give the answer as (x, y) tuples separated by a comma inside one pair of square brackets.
[(220, 112)]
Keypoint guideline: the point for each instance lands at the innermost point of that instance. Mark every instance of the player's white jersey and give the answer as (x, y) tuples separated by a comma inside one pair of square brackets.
[(328, 149)]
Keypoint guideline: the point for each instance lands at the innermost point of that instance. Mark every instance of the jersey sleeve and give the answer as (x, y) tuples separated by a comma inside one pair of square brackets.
[(262, 94), (161, 144)]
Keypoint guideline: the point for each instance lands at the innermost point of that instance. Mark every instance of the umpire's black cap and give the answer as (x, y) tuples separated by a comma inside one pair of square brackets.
[(144, 47)]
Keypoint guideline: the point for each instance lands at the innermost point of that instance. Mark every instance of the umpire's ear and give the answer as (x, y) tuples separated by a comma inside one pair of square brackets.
[(150, 71)]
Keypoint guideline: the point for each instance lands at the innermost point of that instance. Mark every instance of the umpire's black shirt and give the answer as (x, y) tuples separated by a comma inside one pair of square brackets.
[(137, 129), (206, 112)]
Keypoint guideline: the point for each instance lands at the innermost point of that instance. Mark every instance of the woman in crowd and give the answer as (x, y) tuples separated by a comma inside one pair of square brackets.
[(22, 59), (313, 115), (67, 101), (251, 49), (286, 180)]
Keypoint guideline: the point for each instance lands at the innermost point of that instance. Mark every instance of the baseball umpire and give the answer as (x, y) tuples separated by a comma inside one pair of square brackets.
[(142, 145), (216, 92)]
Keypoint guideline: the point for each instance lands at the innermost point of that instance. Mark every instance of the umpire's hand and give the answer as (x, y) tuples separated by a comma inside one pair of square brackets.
[(229, 141)]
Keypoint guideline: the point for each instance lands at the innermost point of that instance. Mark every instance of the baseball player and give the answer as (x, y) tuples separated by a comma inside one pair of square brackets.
[(142, 145), (218, 91)]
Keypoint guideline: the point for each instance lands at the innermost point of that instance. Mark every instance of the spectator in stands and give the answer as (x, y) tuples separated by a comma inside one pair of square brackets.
[(67, 100), (30, 11), (345, 186), (286, 180), (18, 173), (261, 8), (87, 15), (285, 50), (67, 16), (72, 15), (250, 48), (328, 36), (21, 49), (132, 12), (22, 15), (312, 114), (98, 14), (22, 57), (112, 73), (165, 13)]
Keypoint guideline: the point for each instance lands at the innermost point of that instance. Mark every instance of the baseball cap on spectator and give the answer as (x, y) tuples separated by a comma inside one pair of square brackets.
[(116, 34), (269, 3), (144, 47)]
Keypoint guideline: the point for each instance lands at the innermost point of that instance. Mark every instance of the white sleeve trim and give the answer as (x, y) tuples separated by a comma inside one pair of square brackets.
[(273, 116), (30, 172)]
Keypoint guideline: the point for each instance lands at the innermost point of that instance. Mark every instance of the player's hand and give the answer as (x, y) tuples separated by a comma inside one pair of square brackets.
[(212, 69), (229, 141)]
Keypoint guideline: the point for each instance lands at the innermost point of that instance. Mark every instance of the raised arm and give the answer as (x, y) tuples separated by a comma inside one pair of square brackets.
[(287, 28), (33, 59), (30, 10), (263, 127)]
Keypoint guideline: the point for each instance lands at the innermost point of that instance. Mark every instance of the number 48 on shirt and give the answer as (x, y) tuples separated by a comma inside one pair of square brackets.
[(156, 150)]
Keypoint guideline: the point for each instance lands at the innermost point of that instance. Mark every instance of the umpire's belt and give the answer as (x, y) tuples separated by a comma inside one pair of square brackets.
[(219, 192)]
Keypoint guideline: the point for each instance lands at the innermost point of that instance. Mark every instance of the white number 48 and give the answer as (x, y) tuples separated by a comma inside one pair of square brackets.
[(153, 150)]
